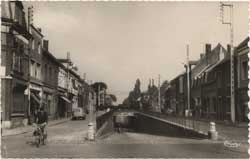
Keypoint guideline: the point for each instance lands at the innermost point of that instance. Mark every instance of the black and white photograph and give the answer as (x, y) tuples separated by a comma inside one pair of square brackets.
[(124, 79)]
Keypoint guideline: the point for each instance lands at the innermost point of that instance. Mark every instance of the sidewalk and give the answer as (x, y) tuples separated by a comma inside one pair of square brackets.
[(29, 128)]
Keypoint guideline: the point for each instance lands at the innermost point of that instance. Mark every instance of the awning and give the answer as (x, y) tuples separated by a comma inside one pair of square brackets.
[(65, 99), (35, 97)]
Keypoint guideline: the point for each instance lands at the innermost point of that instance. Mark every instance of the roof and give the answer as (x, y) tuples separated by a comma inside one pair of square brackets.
[(243, 43), (227, 58), (202, 71), (181, 74), (36, 29), (46, 52)]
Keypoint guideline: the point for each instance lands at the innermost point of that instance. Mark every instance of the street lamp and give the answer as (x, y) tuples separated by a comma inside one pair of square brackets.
[(230, 23)]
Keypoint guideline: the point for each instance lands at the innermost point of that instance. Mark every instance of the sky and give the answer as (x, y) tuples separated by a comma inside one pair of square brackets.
[(118, 42)]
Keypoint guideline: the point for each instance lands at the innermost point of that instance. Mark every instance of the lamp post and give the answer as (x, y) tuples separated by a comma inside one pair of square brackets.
[(159, 93), (230, 23)]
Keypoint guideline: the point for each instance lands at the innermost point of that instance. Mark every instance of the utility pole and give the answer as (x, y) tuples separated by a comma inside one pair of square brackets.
[(159, 93), (98, 96), (30, 22), (188, 80), (68, 61), (230, 23)]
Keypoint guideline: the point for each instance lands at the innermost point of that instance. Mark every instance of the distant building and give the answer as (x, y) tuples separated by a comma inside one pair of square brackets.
[(63, 102)]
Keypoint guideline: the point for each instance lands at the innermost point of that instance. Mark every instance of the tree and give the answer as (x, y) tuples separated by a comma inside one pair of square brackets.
[(164, 91), (99, 86), (135, 95), (113, 97)]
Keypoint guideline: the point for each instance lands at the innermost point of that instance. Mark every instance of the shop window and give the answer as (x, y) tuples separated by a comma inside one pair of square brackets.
[(18, 100)]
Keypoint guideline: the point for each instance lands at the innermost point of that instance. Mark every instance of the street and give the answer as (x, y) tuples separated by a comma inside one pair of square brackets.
[(68, 140)]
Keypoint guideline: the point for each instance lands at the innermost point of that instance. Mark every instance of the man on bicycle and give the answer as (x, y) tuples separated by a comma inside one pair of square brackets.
[(42, 119)]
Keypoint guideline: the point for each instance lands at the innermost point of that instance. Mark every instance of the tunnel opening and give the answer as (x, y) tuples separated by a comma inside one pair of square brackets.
[(139, 123)]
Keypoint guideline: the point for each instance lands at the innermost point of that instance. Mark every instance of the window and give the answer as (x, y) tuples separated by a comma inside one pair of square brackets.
[(181, 84), (50, 73), (214, 105), (18, 100), (33, 44), (228, 104), (244, 70), (45, 72), (38, 67), (39, 48), (3, 38), (32, 69), (16, 63), (219, 79)]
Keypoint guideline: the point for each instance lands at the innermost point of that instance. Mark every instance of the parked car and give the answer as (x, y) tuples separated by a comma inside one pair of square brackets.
[(78, 113)]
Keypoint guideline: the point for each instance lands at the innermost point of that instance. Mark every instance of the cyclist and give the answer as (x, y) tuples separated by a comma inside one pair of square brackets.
[(42, 120)]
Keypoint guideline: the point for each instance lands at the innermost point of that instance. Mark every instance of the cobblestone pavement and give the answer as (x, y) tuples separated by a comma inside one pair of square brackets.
[(68, 140)]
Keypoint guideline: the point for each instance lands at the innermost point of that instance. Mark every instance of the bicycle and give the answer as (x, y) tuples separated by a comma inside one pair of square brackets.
[(39, 135)]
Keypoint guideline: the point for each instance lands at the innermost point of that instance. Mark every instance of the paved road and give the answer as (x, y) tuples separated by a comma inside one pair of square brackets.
[(67, 140)]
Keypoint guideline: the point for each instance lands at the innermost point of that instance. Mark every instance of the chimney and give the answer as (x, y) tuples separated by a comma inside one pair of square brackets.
[(202, 55), (208, 49), (228, 48), (46, 45)]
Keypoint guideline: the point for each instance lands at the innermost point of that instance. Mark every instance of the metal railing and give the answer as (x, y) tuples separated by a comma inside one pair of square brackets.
[(186, 122)]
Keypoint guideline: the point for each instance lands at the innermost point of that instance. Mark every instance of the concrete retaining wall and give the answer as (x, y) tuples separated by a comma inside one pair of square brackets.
[(153, 125), (104, 124)]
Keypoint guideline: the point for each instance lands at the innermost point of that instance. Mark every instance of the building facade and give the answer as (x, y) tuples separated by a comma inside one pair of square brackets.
[(63, 102), (35, 81), (210, 85), (50, 71), (242, 81), (14, 64)]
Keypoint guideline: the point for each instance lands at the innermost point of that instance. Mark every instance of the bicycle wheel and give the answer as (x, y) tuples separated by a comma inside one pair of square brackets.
[(37, 141)]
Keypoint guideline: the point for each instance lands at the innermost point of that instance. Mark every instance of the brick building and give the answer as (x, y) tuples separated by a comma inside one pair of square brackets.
[(210, 85), (50, 71), (14, 64), (35, 80), (242, 98)]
